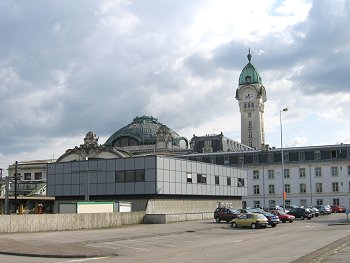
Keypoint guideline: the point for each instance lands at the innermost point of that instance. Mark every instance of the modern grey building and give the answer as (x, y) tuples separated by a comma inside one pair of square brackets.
[(155, 184)]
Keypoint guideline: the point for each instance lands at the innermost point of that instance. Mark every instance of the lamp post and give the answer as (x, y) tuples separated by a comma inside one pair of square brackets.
[(283, 188)]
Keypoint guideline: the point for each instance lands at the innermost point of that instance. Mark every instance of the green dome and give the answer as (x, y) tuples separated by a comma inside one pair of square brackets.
[(142, 131), (249, 75)]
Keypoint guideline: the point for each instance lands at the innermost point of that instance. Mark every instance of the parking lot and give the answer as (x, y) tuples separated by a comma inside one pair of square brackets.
[(197, 241)]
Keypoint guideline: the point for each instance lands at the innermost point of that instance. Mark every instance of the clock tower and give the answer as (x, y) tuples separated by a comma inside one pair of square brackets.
[(251, 96)]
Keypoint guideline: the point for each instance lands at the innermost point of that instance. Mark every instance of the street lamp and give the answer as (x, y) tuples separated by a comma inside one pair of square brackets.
[(283, 188)]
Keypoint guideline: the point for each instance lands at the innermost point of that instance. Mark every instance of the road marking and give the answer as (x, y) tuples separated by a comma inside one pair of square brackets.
[(307, 226), (136, 248), (236, 241)]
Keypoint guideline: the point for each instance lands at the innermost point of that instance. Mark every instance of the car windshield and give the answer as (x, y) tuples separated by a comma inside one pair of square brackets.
[(260, 216)]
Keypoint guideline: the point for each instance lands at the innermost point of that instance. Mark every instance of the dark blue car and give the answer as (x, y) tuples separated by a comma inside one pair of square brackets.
[(273, 220)]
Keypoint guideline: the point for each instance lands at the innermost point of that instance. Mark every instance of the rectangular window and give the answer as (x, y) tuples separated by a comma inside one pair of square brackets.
[(333, 154), (255, 158), (272, 203), (270, 158), (348, 170), (256, 204), (129, 176), (256, 174), (226, 160), (120, 176), (335, 187), (334, 171), (207, 143), (189, 178), (271, 174), (38, 176), (250, 135), (256, 190), (301, 156), (249, 114), (271, 189), (228, 180), (240, 182), (27, 176), (287, 188), (201, 179), (317, 155), (213, 159), (319, 188), (285, 157), (217, 180), (302, 188), (336, 201), (139, 175), (319, 201), (318, 172), (302, 172), (286, 173)]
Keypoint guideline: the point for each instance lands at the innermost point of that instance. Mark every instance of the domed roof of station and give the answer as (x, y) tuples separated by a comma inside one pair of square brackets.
[(141, 129), (249, 74)]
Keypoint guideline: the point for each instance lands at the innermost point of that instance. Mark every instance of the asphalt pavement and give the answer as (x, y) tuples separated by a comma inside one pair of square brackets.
[(55, 245)]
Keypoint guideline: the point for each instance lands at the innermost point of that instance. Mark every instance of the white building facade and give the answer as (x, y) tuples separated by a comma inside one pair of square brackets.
[(316, 175)]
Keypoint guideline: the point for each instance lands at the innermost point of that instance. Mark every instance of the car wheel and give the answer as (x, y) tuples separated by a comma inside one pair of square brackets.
[(273, 225), (302, 217), (283, 220), (253, 225), (217, 219), (309, 218), (290, 221), (234, 225), (322, 213)]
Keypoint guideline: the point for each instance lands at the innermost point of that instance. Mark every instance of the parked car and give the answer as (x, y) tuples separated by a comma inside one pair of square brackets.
[(337, 209), (245, 210), (253, 220), (283, 216), (272, 219), (301, 213), (225, 214), (323, 209), (314, 211)]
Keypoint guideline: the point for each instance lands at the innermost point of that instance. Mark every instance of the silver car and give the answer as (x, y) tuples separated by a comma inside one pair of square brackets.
[(323, 209)]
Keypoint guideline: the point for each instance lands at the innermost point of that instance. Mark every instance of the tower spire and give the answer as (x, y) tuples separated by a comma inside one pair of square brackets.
[(249, 56)]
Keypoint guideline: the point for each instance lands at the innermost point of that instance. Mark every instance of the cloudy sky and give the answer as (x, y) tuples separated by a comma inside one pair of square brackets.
[(68, 67)]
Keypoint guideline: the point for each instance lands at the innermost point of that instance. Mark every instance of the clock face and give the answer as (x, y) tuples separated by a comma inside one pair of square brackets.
[(248, 95)]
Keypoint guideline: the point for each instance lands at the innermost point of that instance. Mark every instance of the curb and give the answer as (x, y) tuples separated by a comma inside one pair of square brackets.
[(57, 256), (324, 252)]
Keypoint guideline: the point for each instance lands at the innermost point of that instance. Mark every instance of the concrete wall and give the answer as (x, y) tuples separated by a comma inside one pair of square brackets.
[(189, 206), (171, 218), (53, 222)]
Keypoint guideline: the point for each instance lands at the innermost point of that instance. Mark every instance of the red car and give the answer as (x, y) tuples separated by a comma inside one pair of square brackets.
[(337, 209), (283, 216), (225, 214)]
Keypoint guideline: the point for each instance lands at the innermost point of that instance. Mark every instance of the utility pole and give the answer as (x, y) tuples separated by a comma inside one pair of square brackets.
[(7, 189), (16, 169)]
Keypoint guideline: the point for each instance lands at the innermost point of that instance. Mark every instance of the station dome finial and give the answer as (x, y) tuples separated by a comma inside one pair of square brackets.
[(249, 56)]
